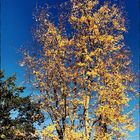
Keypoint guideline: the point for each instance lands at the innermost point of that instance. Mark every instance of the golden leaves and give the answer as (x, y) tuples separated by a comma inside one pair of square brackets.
[(118, 25), (62, 43), (104, 8), (92, 73), (71, 134), (42, 84), (110, 38), (130, 127), (88, 58), (115, 23), (83, 19), (48, 131), (81, 64), (123, 118), (123, 29), (73, 18), (91, 4), (52, 29), (101, 135)]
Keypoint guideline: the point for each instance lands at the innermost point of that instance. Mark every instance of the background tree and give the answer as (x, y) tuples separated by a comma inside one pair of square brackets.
[(18, 114), (84, 73)]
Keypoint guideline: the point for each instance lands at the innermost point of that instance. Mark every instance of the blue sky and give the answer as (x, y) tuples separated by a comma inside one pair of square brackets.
[(16, 24)]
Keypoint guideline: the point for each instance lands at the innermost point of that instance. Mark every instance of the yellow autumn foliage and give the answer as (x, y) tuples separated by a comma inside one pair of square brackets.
[(84, 75)]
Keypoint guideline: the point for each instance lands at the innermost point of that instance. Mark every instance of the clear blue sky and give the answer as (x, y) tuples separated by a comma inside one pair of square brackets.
[(16, 23)]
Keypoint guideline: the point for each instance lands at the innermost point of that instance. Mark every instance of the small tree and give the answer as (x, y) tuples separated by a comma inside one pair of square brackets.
[(21, 124), (83, 73)]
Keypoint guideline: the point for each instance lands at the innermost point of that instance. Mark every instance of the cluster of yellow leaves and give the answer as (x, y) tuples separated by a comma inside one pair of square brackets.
[(52, 29), (48, 131), (107, 112), (130, 127), (73, 135), (93, 73), (82, 64), (88, 58)]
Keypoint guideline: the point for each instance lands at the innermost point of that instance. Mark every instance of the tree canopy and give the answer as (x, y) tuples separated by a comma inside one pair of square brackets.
[(18, 114), (83, 73)]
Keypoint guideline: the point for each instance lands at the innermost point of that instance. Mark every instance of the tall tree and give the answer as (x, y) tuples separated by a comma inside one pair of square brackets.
[(84, 73), (17, 114)]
